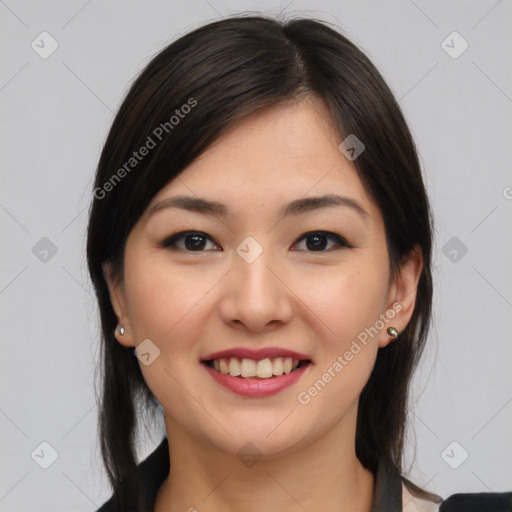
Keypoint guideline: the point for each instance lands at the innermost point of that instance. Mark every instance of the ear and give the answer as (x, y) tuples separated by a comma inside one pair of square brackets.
[(118, 299), (402, 295)]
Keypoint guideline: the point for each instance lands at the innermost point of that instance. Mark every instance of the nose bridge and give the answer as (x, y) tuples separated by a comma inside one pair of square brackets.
[(256, 295)]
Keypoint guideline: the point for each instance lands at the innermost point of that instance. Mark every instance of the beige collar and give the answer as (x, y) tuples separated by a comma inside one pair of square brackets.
[(414, 504)]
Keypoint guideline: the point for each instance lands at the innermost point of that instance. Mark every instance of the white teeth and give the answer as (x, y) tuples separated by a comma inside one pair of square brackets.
[(248, 368), (277, 367), (264, 368), (234, 367)]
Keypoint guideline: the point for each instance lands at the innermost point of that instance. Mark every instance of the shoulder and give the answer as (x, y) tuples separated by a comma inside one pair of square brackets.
[(478, 502), (151, 472), (460, 502), (107, 506)]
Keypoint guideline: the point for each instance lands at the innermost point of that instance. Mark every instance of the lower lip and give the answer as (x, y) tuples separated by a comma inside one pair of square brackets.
[(257, 388)]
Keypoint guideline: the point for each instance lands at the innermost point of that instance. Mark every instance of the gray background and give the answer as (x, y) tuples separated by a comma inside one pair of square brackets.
[(55, 116)]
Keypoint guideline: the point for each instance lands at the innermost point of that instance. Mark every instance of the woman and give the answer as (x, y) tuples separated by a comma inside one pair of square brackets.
[(260, 240)]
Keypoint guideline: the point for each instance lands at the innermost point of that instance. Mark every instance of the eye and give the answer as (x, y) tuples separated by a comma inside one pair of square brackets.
[(316, 241), (194, 241)]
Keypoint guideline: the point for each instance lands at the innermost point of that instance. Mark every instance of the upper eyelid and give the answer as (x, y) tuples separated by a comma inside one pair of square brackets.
[(179, 235)]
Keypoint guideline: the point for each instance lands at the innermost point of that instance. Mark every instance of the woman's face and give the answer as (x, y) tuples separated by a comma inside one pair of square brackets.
[(256, 286)]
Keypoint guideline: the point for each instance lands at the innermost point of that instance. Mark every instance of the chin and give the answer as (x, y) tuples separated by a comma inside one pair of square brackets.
[(262, 439)]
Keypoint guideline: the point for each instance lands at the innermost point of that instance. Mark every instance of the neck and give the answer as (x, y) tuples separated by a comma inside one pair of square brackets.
[(325, 475)]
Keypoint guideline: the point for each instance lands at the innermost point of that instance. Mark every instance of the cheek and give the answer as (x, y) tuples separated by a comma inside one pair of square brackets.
[(348, 300), (169, 307), (162, 300)]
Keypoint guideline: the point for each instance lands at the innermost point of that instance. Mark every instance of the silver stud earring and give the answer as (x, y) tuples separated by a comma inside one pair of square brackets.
[(121, 330), (392, 332)]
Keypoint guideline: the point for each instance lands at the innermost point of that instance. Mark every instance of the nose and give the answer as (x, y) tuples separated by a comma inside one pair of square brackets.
[(255, 295)]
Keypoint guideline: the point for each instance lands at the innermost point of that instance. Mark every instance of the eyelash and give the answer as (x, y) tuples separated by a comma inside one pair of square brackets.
[(170, 242)]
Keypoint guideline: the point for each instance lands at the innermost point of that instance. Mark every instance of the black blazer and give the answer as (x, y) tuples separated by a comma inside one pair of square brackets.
[(387, 498)]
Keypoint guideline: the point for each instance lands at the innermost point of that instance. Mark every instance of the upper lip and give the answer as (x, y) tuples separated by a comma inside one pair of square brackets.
[(257, 355)]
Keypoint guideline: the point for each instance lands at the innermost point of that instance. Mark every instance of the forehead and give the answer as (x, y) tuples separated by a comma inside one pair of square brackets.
[(272, 157)]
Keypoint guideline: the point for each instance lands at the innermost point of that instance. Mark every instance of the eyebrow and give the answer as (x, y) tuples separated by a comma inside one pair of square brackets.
[(296, 207)]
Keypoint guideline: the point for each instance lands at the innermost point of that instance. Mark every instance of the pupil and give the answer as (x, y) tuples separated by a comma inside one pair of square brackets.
[(198, 242), (316, 245)]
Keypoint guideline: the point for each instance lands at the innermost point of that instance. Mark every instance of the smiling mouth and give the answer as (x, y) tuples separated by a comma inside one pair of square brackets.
[(267, 368)]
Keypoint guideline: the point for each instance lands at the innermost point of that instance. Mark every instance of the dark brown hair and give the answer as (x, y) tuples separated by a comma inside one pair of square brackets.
[(229, 69)]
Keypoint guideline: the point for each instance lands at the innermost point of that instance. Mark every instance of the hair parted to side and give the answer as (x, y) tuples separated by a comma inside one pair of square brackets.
[(230, 69)]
